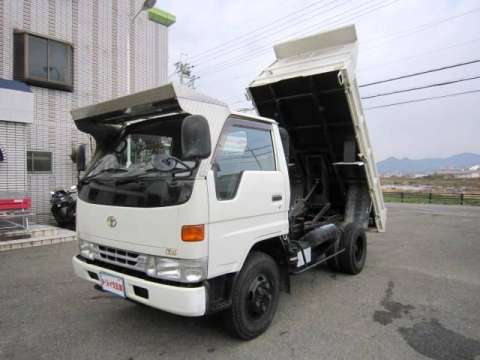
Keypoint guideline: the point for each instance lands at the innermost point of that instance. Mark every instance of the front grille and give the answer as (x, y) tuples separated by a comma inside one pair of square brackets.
[(124, 258)]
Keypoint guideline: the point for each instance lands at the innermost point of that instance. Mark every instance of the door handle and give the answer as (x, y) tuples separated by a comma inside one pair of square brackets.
[(276, 197)]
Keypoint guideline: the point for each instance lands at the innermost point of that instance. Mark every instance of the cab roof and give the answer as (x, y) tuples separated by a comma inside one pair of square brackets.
[(170, 96)]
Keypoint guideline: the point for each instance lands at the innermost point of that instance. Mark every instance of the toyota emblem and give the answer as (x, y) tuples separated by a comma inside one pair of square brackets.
[(111, 221)]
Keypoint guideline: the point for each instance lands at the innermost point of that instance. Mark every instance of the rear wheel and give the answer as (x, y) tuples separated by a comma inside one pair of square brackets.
[(354, 240), (254, 297)]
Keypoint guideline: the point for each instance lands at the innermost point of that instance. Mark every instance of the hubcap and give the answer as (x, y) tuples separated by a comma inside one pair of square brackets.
[(260, 294)]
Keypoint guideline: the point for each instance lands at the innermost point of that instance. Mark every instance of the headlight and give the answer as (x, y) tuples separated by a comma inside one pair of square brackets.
[(188, 271), (87, 249), (180, 270)]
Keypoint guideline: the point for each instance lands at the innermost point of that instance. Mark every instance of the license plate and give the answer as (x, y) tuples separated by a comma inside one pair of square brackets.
[(112, 284)]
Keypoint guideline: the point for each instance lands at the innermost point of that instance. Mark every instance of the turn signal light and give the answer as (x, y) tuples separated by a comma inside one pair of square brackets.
[(193, 232)]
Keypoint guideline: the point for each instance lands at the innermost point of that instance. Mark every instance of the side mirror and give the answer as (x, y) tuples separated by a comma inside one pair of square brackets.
[(196, 142), (81, 157)]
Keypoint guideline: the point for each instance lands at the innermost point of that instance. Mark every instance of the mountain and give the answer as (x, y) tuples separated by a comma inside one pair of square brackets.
[(405, 166)]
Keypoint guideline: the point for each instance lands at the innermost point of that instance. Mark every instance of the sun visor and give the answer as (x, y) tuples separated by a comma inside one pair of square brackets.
[(104, 120)]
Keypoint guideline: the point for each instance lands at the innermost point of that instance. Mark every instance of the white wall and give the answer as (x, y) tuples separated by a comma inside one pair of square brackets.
[(98, 30)]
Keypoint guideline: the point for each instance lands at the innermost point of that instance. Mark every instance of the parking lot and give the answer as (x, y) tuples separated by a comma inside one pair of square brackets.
[(418, 298)]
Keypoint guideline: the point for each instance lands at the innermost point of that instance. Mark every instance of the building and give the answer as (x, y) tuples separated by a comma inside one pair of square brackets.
[(56, 55)]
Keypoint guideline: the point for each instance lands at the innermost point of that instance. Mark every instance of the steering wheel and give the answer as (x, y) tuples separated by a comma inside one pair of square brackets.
[(167, 164)]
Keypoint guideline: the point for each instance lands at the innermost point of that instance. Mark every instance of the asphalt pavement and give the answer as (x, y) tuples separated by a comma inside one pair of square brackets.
[(417, 298)]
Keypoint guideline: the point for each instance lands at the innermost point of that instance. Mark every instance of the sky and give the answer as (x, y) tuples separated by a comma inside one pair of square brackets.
[(230, 41)]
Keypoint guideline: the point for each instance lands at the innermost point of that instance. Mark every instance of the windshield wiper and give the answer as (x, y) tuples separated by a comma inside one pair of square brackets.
[(104, 171), (144, 176), (147, 175)]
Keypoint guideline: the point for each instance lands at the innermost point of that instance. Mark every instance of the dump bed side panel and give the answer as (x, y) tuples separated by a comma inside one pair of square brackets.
[(365, 150)]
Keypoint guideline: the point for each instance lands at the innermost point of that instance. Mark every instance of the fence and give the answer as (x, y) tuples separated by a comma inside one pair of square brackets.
[(431, 198)]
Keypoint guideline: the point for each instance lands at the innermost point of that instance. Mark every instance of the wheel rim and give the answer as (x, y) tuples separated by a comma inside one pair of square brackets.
[(260, 295), (359, 250)]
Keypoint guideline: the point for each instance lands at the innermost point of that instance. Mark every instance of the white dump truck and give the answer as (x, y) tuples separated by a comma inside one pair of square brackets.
[(191, 208)]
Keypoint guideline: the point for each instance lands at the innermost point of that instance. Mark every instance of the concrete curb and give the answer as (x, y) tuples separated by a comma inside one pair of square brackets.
[(58, 237)]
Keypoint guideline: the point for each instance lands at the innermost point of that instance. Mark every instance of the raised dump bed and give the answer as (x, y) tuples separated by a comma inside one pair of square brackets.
[(311, 91)]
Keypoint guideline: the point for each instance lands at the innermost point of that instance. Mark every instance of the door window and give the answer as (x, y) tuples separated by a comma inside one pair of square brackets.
[(242, 148)]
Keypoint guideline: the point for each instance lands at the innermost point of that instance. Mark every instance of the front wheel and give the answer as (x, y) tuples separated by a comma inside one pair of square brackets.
[(254, 297)]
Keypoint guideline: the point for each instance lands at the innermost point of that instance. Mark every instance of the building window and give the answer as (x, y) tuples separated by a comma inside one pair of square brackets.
[(42, 61), (242, 148), (39, 162)]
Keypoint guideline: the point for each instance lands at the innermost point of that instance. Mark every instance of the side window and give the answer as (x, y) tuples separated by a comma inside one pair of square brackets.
[(241, 148)]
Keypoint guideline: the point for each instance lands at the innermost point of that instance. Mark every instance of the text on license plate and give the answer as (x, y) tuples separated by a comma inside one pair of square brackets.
[(113, 284)]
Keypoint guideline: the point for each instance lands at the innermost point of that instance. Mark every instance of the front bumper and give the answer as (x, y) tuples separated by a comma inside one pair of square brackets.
[(186, 301)]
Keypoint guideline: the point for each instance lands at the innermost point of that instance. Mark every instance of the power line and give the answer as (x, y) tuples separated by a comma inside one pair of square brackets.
[(396, 91), (230, 46), (251, 56), (405, 58), (417, 74), (266, 49), (420, 28), (277, 34), (412, 31), (418, 100), (320, 25), (399, 91), (421, 87), (330, 21), (422, 99), (420, 73), (280, 19)]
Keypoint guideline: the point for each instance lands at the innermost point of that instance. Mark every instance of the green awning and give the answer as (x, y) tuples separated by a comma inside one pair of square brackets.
[(161, 17)]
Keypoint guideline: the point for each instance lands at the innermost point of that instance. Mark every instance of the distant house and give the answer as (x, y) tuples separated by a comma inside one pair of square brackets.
[(469, 175), (471, 172)]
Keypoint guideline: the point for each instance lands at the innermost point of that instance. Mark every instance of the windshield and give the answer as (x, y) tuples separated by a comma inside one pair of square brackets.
[(143, 168), (134, 154), (143, 150)]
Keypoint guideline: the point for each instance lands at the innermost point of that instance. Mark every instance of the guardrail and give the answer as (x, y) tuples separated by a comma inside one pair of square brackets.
[(432, 198)]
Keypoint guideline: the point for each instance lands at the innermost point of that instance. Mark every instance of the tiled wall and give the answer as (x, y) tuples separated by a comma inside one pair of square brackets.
[(99, 31)]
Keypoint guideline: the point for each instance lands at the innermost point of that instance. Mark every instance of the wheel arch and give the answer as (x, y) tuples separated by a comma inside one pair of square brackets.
[(220, 288), (276, 249)]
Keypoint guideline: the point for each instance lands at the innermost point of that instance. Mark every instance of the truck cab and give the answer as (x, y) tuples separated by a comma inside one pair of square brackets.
[(193, 209)]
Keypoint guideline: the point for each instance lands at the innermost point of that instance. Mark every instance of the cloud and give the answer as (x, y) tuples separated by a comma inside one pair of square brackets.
[(434, 128)]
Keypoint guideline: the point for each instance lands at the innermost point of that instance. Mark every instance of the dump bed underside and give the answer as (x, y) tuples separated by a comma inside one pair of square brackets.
[(315, 112), (313, 109)]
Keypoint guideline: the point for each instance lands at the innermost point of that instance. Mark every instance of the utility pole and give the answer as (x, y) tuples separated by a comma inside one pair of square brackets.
[(147, 5), (184, 70)]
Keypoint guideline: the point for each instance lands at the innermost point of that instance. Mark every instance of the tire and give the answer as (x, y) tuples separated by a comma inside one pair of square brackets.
[(254, 297), (333, 263), (354, 240)]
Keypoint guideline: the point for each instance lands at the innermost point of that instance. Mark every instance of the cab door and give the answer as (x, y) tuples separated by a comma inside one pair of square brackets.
[(247, 189)]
